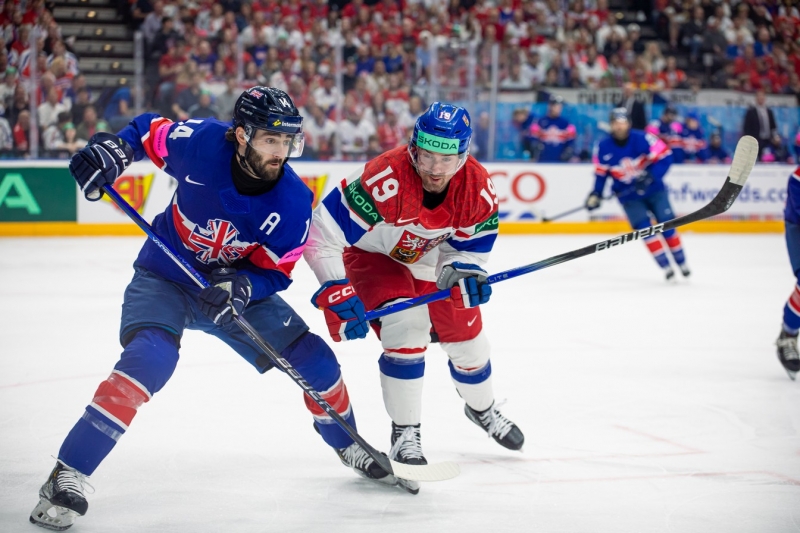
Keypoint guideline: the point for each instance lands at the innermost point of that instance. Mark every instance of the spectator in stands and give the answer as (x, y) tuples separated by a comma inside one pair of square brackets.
[(22, 132), (514, 81), (354, 133), (189, 97), (90, 123), (672, 77), (8, 87), (391, 133), (227, 99), (320, 133), (69, 59), (327, 95), (6, 135), (49, 110), (759, 121), (119, 110), (592, 69), (534, 70), (691, 34), (151, 25), (725, 78), (204, 108), (54, 139), (204, 58), (78, 84)]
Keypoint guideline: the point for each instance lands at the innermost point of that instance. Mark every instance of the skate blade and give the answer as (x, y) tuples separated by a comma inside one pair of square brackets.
[(429, 472), (792, 375), (54, 517)]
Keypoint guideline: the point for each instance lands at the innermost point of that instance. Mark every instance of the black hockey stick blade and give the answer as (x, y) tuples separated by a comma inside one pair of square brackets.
[(743, 160)]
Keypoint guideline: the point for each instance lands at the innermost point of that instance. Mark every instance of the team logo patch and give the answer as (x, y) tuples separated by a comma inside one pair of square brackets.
[(257, 94), (466, 120), (411, 248), (217, 242), (276, 123)]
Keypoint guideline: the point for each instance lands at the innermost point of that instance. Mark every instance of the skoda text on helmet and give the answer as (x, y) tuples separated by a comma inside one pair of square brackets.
[(442, 129), (271, 110)]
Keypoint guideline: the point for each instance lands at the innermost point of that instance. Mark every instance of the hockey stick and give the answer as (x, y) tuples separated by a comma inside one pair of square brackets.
[(743, 160), (431, 472), (565, 213)]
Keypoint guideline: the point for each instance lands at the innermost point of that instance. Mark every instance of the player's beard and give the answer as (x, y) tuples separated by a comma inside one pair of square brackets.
[(265, 167), (434, 183)]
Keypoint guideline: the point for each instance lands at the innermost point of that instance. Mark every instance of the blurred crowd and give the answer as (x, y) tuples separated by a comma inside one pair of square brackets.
[(194, 50)]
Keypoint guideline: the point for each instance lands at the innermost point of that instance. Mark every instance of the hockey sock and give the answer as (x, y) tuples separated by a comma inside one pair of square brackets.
[(145, 366), (474, 385), (317, 363), (401, 382), (675, 247), (657, 249), (791, 312)]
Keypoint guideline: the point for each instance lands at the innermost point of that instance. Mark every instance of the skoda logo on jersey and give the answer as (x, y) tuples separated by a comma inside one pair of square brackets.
[(217, 243)]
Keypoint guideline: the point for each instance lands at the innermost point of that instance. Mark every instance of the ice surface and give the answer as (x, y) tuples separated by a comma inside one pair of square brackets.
[(646, 407)]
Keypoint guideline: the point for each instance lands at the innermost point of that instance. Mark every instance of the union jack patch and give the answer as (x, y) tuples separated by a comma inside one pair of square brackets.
[(257, 94)]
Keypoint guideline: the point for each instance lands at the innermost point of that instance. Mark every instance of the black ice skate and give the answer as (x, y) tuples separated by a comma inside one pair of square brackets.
[(407, 449), (60, 499), (669, 275), (787, 353), (500, 428), (364, 465), (685, 270)]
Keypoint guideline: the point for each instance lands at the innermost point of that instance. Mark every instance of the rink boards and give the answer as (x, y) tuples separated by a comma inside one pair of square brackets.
[(40, 197)]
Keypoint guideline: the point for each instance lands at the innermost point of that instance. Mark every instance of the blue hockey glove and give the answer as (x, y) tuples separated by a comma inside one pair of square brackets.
[(344, 310), (100, 163), (467, 284), (227, 296), (593, 201)]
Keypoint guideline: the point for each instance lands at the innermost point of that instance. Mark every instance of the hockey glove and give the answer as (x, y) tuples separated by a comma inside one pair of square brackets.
[(467, 284), (593, 201), (100, 163), (227, 296), (344, 311)]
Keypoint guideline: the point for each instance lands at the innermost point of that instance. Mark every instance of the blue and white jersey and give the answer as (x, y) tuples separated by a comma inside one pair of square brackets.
[(625, 164), (556, 137), (208, 221)]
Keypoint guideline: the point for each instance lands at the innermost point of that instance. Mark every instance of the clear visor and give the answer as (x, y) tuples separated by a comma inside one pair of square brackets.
[(276, 144), (434, 163)]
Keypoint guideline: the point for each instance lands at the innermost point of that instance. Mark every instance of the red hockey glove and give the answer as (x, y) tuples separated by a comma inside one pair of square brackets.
[(344, 311)]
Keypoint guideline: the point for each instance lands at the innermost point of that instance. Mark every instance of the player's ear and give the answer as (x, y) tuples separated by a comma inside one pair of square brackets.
[(240, 136)]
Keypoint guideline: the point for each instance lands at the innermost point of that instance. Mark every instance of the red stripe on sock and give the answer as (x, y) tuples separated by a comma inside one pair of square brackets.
[(674, 242), (794, 301), (655, 246), (336, 396), (120, 398)]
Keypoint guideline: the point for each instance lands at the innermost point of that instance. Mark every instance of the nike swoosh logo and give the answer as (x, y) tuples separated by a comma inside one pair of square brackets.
[(192, 181), (287, 321), (401, 221), (469, 324)]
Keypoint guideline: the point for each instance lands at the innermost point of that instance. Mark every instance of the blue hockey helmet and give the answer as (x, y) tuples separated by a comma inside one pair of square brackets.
[(618, 113), (442, 129), (269, 109)]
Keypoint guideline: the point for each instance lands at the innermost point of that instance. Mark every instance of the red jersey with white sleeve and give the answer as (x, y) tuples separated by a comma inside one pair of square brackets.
[(379, 209)]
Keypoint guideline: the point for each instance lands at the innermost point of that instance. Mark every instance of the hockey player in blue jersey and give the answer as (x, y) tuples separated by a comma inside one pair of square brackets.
[(715, 153), (553, 134), (669, 130), (693, 141), (636, 162), (787, 341), (241, 217)]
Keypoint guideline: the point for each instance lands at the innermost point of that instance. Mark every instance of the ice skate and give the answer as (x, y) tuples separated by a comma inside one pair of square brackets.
[(669, 275), (501, 429), (787, 353), (61, 499), (364, 465), (407, 449), (685, 270)]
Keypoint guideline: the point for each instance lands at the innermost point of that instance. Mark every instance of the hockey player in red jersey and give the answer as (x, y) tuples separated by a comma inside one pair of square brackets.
[(417, 218)]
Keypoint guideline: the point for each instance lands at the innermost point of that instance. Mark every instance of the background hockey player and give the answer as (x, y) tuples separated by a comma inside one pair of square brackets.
[(553, 134), (715, 153), (637, 162), (787, 341), (240, 216), (416, 218), (693, 140), (668, 129)]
